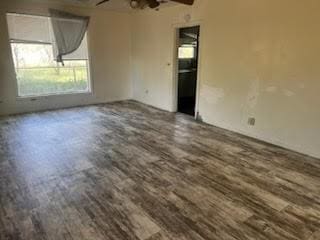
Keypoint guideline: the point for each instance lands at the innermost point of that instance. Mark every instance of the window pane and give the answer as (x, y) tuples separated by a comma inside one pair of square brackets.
[(38, 73), (186, 52)]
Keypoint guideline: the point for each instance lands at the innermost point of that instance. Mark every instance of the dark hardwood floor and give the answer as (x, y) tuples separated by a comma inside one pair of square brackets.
[(128, 171)]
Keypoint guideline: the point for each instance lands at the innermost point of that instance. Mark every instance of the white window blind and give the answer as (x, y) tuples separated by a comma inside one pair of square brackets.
[(37, 29), (27, 28)]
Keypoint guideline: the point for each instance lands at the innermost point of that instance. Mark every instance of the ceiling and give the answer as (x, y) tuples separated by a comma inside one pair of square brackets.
[(116, 5)]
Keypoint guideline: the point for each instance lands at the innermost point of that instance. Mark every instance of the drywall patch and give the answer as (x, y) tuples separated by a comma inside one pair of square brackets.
[(288, 93), (271, 89), (187, 18), (301, 85), (211, 95), (253, 94)]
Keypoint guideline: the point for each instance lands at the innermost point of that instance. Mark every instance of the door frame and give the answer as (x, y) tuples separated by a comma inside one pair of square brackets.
[(175, 81)]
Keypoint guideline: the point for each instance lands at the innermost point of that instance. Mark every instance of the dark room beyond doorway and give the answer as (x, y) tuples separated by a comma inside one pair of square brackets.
[(188, 69)]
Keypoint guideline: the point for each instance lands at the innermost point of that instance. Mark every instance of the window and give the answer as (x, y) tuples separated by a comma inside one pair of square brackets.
[(186, 52), (34, 52)]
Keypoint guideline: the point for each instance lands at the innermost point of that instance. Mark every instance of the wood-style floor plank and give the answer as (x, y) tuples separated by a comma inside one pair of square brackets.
[(128, 171)]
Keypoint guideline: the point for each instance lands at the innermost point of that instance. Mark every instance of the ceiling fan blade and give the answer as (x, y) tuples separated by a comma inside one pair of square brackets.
[(187, 2), (99, 3), (153, 3)]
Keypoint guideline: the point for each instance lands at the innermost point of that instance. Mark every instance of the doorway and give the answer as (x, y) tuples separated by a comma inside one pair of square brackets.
[(188, 51)]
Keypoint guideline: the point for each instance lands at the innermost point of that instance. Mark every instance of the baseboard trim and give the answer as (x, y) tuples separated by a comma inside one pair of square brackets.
[(275, 142)]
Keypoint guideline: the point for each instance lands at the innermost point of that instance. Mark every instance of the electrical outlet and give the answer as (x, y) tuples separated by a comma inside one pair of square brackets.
[(251, 121)]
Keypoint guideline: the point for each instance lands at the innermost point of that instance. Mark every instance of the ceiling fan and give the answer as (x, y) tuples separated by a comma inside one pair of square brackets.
[(135, 4)]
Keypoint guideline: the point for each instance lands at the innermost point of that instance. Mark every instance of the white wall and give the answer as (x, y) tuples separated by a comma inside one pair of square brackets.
[(259, 58), (109, 39)]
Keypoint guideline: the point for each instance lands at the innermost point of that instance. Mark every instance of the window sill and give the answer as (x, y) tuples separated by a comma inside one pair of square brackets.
[(48, 96)]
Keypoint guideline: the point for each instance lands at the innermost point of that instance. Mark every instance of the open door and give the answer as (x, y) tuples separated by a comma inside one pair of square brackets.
[(188, 69)]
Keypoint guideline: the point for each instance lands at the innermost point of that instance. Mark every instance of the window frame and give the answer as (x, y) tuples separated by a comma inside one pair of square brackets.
[(19, 97)]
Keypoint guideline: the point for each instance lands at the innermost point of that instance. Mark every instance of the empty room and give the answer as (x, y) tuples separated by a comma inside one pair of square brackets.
[(159, 120)]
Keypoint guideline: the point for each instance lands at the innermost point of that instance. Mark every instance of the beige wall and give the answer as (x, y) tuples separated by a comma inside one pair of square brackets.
[(259, 58), (109, 39)]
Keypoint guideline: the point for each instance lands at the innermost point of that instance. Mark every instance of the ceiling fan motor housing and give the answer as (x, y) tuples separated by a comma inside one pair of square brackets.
[(134, 4)]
